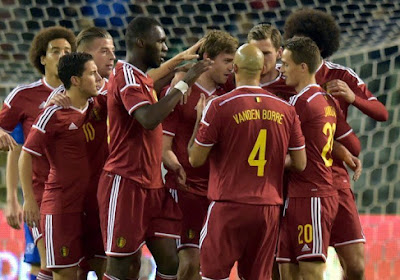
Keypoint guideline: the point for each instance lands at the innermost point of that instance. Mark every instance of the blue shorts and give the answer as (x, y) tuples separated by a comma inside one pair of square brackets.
[(31, 251), (18, 134)]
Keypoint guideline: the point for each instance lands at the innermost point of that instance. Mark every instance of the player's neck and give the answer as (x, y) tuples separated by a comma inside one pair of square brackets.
[(246, 81), (206, 82), (270, 76), (52, 80), (136, 61), (78, 100), (304, 82)]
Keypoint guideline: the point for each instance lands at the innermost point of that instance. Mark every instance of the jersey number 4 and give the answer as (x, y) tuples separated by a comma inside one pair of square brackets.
[(329, 130), (259, 148)]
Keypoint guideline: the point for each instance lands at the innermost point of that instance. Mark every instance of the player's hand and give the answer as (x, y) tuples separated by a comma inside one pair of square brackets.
[(60, 100), (355, 164), (199, 68), (181, 178), (190, 53), (7, 143), (13, 213), (338, 88), (178, 77), (31, 212)]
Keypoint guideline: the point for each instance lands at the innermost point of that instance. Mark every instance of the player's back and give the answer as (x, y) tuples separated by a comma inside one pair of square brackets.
[(255, 130), (318, 116)]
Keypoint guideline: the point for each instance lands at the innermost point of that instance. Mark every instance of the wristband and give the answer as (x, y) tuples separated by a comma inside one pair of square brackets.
[(182, 87)]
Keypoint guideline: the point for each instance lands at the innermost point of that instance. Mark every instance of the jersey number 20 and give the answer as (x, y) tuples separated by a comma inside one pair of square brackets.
[(259, 147)]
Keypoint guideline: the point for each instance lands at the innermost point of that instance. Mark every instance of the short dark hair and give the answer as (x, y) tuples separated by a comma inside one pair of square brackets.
[(304, 50), (264, 31), (72, 64), (139, 27), (41, 40), (216, 42), (319, 26), (89, 34)]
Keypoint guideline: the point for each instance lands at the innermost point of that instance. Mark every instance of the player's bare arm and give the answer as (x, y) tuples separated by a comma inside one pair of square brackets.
[(296, 160), (30, 207), (171, 161), (170, 65), (151, 116), (198, 154), (340, 152), (13, 210), (7, 143)]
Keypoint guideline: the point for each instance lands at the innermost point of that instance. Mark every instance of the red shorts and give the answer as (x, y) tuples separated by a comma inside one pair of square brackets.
[(63, 239), (239, 232), (347, 226), (305, 228), (194, 210), (130, 214)]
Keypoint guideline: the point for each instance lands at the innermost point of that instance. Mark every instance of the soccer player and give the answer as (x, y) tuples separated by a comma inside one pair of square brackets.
[(61, 135), (312, 202), (23, 104), (189, 184), (343, 83), (135, 208), (247, 134)]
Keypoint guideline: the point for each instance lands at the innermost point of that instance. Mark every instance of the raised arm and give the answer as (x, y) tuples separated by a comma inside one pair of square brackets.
[(150, 116)]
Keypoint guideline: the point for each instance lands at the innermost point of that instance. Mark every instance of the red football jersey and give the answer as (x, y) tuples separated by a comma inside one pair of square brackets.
[(279, 88), (179, 124), (321, 122), (60, 135), (135, 153), (251, 131), (23, 105)]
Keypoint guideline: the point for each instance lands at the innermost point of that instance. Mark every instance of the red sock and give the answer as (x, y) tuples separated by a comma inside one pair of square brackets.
[(45, 275)]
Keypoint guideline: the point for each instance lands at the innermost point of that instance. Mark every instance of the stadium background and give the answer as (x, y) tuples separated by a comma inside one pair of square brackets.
[(370, 36)]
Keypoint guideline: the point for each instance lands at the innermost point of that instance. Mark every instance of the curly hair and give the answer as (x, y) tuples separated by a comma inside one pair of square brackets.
[(264, 31), (304, 50), (42, 39), (317, 25), (216, 42)]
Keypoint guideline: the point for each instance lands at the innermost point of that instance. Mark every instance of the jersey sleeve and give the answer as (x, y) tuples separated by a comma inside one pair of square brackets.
[(35, 142), (132, 92), (345, 135), (11, 114), (207, 135), (364, 99), (296, 141)]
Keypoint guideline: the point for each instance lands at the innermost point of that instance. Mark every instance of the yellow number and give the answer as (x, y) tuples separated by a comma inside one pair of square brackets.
[(108, 130), (329, 130), (88, 129), (305, 233), (259, 147)]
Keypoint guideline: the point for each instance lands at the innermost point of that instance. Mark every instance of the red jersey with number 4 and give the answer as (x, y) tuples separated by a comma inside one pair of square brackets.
[(179, 124), (59, 135), (135, 152), (250, 131), (321, 122), (23, 105)]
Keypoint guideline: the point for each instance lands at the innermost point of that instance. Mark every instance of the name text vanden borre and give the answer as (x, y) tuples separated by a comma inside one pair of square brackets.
[(257, 114)]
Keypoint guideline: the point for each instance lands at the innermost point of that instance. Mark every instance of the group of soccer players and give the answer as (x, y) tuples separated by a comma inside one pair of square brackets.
[(239, 135)]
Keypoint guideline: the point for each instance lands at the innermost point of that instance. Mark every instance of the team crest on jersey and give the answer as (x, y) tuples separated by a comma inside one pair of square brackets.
[(95, 114), (121, 242), (155, 95), (64, 251), (191, 234)]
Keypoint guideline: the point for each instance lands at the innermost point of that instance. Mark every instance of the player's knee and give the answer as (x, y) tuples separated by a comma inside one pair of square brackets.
[(118, 267), (188, 269), (168, 263), (355, 269)]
